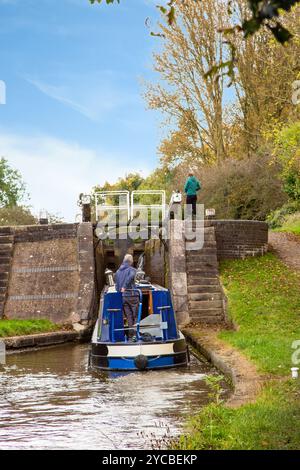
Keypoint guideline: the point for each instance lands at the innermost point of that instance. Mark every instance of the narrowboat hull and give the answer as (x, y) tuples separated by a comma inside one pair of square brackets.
[(139, 356), (154, 342)]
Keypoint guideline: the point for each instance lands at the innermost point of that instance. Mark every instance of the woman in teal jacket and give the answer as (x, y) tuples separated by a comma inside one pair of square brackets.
[(192, 186)]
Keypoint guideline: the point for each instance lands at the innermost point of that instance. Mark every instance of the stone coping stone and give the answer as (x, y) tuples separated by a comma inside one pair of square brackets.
[(239, 221), (42, 339)]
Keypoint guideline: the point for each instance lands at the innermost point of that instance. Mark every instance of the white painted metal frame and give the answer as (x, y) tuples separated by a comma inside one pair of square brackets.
[(161, 206), (107, 207)]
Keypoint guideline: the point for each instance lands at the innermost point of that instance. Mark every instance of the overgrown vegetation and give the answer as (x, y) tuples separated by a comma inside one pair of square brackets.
[(264, 301), (26, 327)]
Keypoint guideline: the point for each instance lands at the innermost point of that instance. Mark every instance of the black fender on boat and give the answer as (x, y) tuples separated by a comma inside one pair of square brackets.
[(141, 362)]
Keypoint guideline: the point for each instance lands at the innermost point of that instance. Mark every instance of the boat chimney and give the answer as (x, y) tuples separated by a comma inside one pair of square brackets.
[(109, 276)]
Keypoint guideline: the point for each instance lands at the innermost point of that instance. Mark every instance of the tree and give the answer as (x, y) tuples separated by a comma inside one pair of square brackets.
[(16, 215), (265, 72), (131, 182), (180, 148), (12, 187), (204, 129), (263, 13), (287, 151), (191, 100), (160, 178), (260, 15)]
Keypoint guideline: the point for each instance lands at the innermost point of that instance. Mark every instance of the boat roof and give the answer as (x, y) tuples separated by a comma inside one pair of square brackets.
[(140, 285)]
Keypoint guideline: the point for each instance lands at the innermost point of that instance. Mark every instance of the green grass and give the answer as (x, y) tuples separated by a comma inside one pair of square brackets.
[(25, 327), (269, 424), (264, 301), (291, 224)]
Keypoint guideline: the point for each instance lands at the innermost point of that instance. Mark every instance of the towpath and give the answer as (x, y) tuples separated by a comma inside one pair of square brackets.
[(287, 247)]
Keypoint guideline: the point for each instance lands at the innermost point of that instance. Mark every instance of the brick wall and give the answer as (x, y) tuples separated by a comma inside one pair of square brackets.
[(240, 238)]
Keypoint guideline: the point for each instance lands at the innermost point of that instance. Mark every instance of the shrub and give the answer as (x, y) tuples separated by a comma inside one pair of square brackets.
[(240, 189), (278, 217), (292, 224)]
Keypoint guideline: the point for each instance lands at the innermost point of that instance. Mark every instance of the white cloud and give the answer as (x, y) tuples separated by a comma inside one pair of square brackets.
[(93, 97), (61, 94), (57, 171)]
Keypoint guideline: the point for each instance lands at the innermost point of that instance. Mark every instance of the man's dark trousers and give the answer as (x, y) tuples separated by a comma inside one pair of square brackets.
[(131, 307), (192, 200)]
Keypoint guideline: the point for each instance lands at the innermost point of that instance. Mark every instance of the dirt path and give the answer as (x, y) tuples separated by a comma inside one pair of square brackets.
[(287, 247)]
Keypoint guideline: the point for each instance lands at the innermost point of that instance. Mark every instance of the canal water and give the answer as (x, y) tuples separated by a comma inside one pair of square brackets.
[(49, 400)]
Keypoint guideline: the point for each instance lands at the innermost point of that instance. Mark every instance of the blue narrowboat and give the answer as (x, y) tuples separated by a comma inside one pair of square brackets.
[(155, 343)]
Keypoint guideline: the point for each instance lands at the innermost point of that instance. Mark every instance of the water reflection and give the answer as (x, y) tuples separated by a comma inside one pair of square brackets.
[(49, 400)]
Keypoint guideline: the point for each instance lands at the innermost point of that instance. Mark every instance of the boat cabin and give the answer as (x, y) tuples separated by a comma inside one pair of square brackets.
[(156, 318)]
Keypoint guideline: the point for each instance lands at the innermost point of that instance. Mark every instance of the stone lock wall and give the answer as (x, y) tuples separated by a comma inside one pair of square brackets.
[(177, 271), (52, 274), (166, 265), (155, 261)]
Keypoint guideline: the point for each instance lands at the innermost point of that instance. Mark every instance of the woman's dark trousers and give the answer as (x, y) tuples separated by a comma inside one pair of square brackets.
[(192, 200)]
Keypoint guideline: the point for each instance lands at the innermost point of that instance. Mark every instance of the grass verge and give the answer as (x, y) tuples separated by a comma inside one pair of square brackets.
[(26, 327), (269, 424), (264, 301)]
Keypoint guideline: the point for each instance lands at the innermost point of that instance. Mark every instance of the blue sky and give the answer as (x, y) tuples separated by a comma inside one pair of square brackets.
[(74, 114)]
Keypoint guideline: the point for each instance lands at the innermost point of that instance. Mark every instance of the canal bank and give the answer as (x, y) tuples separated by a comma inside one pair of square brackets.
[(263, 300), (42, 340)]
